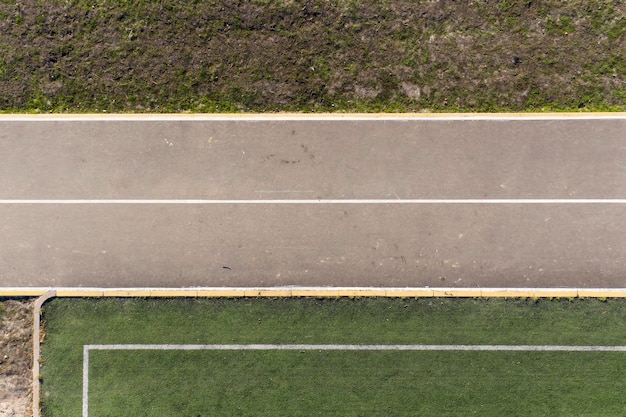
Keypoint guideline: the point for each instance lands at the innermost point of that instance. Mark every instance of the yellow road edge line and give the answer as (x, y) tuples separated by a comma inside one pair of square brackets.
[(127, 293), (507, 293), (409, 293), (457, 292), (22, 292), (557, 294), (221, 293), (303, 116), (601, 294), (362, 293), (173, 293), (267, 293), (79, 293), (302, 292), (321, 292)]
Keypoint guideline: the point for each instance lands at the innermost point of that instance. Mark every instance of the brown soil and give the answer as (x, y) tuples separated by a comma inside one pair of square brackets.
[(16, 357)]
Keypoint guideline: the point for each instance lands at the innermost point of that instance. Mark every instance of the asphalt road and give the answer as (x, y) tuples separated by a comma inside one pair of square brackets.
[(518, 209)]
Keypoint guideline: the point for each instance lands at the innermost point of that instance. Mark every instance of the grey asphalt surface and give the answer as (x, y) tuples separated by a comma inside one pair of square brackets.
[(457, 245)]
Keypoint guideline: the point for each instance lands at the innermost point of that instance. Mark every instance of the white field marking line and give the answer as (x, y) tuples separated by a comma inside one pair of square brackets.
[(86, 381), (499, 348), (502, 201), (284, 191), (333, 347)]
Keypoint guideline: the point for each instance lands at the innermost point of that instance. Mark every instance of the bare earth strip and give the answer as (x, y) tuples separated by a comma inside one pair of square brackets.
[(15, 358)]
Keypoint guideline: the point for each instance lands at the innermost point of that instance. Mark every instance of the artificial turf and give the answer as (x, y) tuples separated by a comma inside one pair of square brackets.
[(340, 383)]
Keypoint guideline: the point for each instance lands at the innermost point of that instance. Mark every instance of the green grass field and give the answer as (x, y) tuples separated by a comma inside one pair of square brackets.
[(338, 382)]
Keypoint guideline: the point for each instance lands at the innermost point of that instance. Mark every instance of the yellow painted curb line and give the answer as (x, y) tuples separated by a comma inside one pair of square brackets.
[(457, 292), (302, 116), (79, 293), (321, 292), (409, 293), (21, 292), (167, 293), (362, 293), (601, 294), (508, 293), (267, 293), (220, 293), (330, 292)]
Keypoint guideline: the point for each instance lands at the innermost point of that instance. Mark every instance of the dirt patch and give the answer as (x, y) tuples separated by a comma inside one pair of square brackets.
[(16, 352)]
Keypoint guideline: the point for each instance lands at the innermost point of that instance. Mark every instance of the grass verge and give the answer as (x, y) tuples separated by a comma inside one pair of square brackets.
[(312, 55), (334, 383)]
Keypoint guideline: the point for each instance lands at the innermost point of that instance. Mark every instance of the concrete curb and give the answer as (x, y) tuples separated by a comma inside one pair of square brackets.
[(308, 116), (297, 291), (37, 348)]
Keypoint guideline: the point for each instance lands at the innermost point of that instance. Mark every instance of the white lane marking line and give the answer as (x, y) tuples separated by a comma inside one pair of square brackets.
[(335, 201), (490, 348), (283, 191)]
